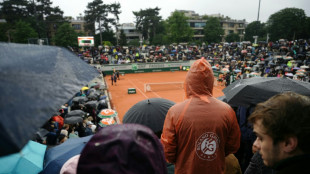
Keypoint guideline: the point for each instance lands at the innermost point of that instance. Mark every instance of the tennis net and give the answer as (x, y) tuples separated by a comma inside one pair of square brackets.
[(165, 86)]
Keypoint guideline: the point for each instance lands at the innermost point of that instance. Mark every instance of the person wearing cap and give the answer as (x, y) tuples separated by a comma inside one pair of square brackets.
[(199, 132), (281, 125), (123, 148)]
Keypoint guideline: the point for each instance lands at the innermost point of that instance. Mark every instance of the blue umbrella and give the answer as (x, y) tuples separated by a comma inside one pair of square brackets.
[(29, 160), (56, 157)]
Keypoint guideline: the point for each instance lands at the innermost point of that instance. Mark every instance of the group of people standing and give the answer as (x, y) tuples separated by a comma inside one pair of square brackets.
[(115, 77)]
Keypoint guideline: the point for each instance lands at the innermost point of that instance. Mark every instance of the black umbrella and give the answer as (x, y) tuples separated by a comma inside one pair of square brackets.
[(35, 81), (150, 112), (80, 99), (246, 92), (91, 104), (73, 120), (75, 113)]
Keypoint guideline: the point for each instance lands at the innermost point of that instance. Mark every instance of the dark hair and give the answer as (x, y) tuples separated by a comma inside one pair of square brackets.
[(285, 115)]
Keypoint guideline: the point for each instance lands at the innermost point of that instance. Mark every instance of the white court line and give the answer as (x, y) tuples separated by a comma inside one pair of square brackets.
[(138, 89)]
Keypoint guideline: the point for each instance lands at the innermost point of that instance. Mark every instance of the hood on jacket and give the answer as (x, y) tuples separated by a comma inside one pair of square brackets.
[(199, 80)]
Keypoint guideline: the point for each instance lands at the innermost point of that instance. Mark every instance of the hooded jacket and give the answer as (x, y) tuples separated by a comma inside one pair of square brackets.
[(199, 132)]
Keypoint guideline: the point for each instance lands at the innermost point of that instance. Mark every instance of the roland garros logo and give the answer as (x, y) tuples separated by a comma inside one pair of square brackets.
[(207, 145)]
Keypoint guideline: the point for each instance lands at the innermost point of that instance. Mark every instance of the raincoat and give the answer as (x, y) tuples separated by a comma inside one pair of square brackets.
[(199, 132)]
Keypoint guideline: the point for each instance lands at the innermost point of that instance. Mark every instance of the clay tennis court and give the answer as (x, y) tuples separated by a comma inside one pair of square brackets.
[(121, 101)]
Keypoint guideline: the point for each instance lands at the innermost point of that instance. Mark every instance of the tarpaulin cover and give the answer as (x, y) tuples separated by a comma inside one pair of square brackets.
[(34, 82)]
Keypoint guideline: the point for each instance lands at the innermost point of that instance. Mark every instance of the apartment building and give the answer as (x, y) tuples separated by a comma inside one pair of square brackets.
[(130, 32)]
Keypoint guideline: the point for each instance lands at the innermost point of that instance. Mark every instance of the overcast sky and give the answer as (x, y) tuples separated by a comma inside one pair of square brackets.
[(235, 9)]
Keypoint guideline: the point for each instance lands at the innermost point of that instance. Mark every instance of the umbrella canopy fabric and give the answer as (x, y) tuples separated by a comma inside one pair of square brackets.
[(29, 160), (73, 120), (106, 122), (246, 92), (92, 104), (150, 112), (55, 157), (35, 81), (80, 99), (107, 113), (75, 113)]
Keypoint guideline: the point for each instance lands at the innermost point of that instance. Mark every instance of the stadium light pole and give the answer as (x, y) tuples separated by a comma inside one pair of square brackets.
[(258, 10)]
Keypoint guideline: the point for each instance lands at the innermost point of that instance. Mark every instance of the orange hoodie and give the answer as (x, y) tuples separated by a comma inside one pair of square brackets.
[(199, 132)]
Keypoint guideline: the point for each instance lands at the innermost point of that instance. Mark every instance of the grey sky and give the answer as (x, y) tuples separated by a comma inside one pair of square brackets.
[(235, 9)]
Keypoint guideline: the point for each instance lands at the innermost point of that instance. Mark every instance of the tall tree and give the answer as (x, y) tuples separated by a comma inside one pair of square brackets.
[(288, 23), (147, 22), (123, 40), (23, 32), (66, 36), (98, 12), (14, 10), (232, 37), (255, 28), (213, 30), (178, 29)]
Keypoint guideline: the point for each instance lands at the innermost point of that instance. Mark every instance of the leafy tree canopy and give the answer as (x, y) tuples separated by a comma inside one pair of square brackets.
[(66, 36), (178, 29), (23, 32), (147, 22), (288, 23), (213, 30), (232, 37), (255, 29)]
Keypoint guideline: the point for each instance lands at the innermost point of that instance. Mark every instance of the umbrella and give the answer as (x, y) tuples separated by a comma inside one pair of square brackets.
[(304, 67), (237, 70), (150, 112), (102, 104), (29, 160), (73, 120), (214, 67), (225, 70), (107, 113), (244, 51), (91, 104), (106, 122), (80, 99), (55, 157), (288, 58), (84, 88), (35, 81), (75, 113), (246, 92), (289, 74)]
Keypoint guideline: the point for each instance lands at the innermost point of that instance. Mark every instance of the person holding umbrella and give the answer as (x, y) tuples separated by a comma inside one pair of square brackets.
[(199, 132)]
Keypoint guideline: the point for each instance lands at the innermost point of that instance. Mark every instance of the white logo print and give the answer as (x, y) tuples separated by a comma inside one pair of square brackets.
[(207, 145)]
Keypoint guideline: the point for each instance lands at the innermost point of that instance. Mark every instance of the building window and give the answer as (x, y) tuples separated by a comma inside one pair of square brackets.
[(231, 31), (76, 26), (231, 25), (241, 25), (200, 25)]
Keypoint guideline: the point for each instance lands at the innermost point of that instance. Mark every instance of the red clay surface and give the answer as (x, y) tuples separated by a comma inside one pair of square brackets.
[(121, 101)]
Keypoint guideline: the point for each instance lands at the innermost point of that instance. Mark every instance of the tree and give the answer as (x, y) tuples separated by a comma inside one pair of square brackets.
[(255, 29), (147, 22), (23, 32), (213, 30), (232, 37), (98, 12), (66, 36), (107, 35), (288, 23), (178, 29), (14, 10), (123, 40)]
